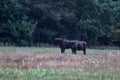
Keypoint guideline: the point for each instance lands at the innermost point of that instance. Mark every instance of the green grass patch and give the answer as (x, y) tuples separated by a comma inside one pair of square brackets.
[(52, 74), (54, 50)]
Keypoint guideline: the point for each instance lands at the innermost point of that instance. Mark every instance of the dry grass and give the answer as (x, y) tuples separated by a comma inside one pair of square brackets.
[(23, 60), (48, 64)]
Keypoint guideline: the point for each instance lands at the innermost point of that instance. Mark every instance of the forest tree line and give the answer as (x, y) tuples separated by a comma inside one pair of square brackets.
[(32, 22)]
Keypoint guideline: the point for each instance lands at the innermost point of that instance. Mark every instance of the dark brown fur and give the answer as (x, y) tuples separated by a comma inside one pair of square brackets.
[(74, 45)]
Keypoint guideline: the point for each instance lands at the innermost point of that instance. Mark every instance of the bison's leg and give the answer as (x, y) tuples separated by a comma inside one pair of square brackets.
[(84, 51), (73, 51), (62, 50), (84, 48)]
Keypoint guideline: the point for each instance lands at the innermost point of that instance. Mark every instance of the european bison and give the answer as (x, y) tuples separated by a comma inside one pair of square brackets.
[(73, 44)]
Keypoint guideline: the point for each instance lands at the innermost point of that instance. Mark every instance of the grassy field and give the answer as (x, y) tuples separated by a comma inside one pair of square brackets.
[(34, 63)]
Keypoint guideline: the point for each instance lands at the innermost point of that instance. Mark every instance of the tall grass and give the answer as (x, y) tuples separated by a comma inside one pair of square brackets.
[(12, 71)]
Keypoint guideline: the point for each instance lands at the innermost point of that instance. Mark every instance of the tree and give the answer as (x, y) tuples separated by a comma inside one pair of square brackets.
[(15, 28), (91, 20)]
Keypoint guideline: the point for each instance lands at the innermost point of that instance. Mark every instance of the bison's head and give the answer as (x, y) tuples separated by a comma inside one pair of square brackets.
[(58, 41)]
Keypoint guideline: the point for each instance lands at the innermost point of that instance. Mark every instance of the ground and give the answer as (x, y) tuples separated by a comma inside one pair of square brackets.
[(35, 60), (50, 62)]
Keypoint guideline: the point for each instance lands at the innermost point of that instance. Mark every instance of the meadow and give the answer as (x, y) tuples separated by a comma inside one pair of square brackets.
[(46, 63)]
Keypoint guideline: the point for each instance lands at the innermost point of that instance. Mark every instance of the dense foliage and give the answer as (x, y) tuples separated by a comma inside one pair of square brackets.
[(30, 22)]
